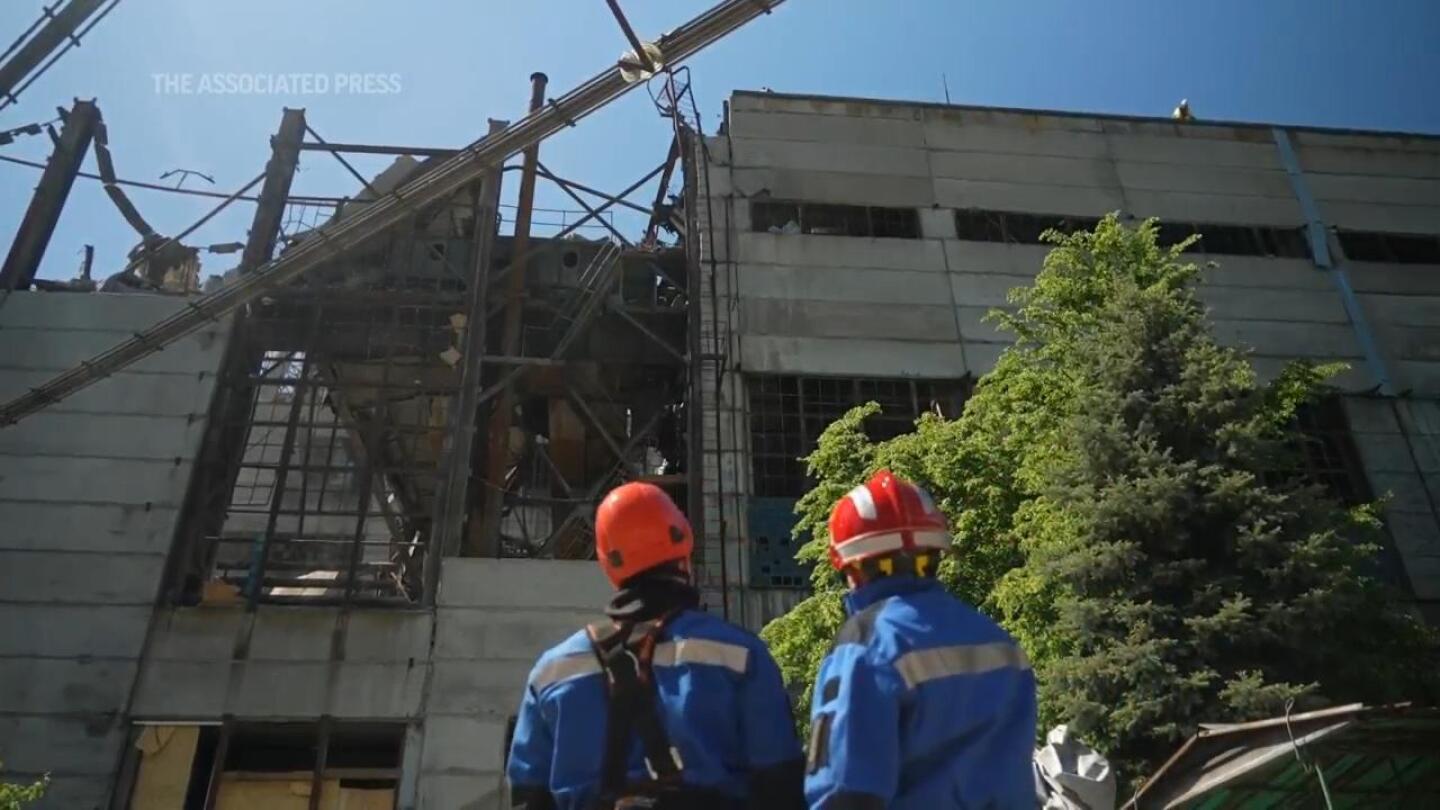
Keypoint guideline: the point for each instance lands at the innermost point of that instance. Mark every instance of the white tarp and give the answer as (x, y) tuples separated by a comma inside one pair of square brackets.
[(1070, 775)]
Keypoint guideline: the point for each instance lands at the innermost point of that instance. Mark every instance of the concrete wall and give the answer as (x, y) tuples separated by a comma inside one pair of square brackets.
[(454, 674), (493, 620), (90, 490), (1399, 443), (847, 306)]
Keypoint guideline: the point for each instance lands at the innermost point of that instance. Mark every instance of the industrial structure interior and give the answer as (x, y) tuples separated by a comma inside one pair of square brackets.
[(292, 536)]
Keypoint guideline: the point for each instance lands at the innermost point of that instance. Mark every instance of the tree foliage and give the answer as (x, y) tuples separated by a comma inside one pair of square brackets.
[(1120, 500), (17, 797)]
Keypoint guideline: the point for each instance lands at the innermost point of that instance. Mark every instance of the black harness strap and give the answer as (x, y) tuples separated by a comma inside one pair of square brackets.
[(626, 652)]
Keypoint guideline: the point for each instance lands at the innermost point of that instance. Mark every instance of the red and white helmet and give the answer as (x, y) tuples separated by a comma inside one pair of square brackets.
[(885, 515)]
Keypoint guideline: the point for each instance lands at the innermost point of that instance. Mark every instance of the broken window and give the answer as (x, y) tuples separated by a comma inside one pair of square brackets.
[(1394, 248), (834, 220), (318, 476), (278, 766), (775, 217), (1229, 240), (1328, 454), (1328, 457), (827, 219), (895, 223), (788, 414)]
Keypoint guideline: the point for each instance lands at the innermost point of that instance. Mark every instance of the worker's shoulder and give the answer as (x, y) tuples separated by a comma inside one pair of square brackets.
[(577, 643), (708, 626), (921, 619)]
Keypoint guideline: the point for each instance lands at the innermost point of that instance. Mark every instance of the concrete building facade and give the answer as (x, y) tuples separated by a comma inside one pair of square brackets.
[(848, 251), (856, 245)]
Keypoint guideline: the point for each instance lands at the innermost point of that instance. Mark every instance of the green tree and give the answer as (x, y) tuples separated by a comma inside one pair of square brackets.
[(1117, 494), (16, 797)]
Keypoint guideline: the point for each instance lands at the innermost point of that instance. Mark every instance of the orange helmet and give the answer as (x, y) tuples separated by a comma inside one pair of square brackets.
[(638, 527), (885, 515)]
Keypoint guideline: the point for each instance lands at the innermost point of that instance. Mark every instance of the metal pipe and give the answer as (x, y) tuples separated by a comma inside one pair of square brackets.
[(484, 538), (338, 238), (378, 149)]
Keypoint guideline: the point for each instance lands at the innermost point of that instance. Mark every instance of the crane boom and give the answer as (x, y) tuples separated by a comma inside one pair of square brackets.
[(338, 238)]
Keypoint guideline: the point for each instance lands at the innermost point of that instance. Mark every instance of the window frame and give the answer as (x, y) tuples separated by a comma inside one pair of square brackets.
[(836, 219)]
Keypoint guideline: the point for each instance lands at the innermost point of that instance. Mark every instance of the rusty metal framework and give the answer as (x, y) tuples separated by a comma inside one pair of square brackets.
[(342, 456), (404, 383), (446, 178)]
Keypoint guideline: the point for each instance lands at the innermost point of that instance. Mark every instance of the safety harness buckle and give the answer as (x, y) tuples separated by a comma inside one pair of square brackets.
[(676, 764)]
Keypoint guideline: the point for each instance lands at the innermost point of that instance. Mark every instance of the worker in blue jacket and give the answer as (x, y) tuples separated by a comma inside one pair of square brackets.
[(923, 702), (663, 706)]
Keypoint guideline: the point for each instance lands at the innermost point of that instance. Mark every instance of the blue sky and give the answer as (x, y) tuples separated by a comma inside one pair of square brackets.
[(1365, 64)]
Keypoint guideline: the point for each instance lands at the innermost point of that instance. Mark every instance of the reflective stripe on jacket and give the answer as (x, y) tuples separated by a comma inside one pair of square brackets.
[(722, 701), (922, 703)]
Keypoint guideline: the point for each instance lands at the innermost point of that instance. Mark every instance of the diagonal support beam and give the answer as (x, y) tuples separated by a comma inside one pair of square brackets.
[(582, 510), (619, 309), (595, 423), (652, 231), (565, 187), (610, 199), (279, 174)]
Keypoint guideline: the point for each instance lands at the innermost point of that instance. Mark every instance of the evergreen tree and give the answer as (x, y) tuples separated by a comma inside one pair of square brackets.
[(1119, 495)]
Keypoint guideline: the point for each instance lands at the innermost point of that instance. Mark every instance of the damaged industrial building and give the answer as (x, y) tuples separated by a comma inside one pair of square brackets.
[(296, 539)]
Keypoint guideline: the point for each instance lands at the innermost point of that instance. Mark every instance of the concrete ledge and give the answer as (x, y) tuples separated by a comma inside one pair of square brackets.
[(506, 635), (376, 636), (489, 689), (1364, 216), (168, 690), (273, 689), (1027, 197), (851, 357), (293, 634), (803, 318), (379, 691), (195, 634), (518, 584)]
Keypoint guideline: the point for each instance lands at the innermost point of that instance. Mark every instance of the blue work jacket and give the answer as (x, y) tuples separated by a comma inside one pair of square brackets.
[(923, 703), (722, 702)]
